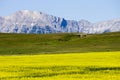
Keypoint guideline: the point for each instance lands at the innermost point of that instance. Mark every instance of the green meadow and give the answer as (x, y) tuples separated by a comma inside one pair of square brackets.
[(60, 56), (23, 44)]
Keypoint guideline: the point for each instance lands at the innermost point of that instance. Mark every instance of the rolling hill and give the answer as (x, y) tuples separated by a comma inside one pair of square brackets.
[(14, 44)]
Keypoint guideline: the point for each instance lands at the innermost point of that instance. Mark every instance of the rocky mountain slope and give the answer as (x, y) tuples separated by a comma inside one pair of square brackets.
[(26, 21)]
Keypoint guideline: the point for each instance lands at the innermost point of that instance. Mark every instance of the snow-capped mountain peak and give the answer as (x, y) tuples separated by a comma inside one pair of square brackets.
[(26, 21)]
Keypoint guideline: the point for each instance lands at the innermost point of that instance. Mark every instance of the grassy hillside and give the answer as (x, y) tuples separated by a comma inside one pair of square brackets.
[(72, 66), (57, 43)]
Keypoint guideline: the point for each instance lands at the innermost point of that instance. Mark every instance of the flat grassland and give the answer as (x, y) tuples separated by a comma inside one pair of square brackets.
[(31, 44), (72, 66)]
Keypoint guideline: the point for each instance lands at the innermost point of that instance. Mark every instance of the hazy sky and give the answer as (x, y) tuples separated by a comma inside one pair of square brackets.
[(92, 10)]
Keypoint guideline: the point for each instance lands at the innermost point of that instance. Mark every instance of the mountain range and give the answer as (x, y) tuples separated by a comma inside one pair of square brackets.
[(36, 22)]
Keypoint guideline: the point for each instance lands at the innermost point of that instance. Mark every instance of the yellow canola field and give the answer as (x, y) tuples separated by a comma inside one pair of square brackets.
[(71, 66)]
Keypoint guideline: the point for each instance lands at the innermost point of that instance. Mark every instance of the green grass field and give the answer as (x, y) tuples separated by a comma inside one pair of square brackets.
[(13, 44), (72, 66)]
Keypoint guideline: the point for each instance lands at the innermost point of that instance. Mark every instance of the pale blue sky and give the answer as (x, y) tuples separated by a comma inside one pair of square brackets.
[(92, 10)]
